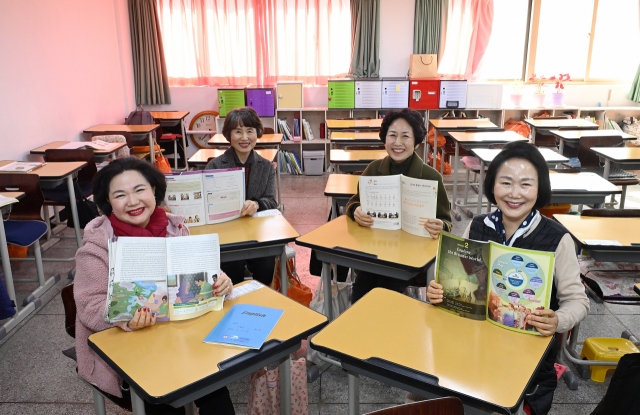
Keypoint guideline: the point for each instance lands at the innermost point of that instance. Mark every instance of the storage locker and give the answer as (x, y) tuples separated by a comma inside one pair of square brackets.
[(289, 95), (368, 93), (424, 94), (484, 95), (453, 93), (229, 99), (341, 93), (395, 93)]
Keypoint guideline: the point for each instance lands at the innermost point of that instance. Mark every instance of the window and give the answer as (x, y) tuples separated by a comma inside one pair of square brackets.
[(258, 42), (592, 40)]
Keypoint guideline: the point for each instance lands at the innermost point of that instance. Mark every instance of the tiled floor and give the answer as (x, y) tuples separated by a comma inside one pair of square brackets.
[(35, 378)]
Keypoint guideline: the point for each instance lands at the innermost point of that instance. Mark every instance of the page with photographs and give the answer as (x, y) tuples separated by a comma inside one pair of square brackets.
[(193, 266), (224, 194), (521, 283), (380, 198), (184, 197), (419, 202), (137, 277)]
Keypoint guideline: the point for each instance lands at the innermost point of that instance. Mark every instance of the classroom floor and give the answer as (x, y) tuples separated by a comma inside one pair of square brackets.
[(35, 378)]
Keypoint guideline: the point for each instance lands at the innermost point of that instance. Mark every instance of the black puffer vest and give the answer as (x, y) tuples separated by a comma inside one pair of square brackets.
[(545, 237)]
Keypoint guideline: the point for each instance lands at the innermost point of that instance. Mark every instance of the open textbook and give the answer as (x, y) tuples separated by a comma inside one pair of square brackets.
[(487, 280), (174, 277), (399, 202), (207, 196), (91, 145)]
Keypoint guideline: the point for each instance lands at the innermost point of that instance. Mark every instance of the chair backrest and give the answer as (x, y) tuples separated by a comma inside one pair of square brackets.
[(589, 158), (441, 406), (268, 130), (69, 304), (87, 173), (29, 207), (612, 213)]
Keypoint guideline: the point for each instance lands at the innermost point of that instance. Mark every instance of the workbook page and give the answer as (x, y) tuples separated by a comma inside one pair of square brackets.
[(224, 194), (184, 197), (380, 198), (419, 202)]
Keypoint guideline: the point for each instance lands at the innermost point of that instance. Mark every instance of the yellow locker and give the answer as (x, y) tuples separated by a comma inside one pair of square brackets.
[(289, 94)]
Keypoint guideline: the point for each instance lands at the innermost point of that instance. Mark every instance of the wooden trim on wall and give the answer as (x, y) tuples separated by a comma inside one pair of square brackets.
[(592, 35), (533, 41)]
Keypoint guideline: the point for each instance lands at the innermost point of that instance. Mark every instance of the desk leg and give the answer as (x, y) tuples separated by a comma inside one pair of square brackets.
[(607, 169), (278, 179), (561, 146), (455, 183), (354, 394), (334, 208), (326, 287), (435, 151), (74, 209), (6, 266), (284, 280), (137, 404), (184, 145), (152, 154), (480, 188), (285, 387)]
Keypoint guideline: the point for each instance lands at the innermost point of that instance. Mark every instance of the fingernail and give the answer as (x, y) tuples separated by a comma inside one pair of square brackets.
[(215, 286), (139, 310)]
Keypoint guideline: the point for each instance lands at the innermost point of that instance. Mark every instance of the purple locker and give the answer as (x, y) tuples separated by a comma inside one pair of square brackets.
[(262, 100)]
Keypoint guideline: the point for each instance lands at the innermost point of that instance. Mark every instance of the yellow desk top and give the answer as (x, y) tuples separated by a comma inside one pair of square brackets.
[(169, 115), (583, 228), (203, 155), (246, 229), (569, 122), (486, 136), (589, 182), (355, 156), (339, 124), (271, 139), (355, 136), (56, 170), (394, 247), (471, 357), (13, 195), (341, 185), (576, 134), (169, 356), (140, 129), (462, 124), (56, 144), (619, 154)]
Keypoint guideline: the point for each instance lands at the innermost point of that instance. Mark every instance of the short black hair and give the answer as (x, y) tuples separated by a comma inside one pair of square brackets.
[(243, 117), (526, 151), (414, 119), (102, 181)]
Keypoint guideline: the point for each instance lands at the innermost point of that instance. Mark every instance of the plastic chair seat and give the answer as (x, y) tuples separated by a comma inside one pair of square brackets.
[(606, 349), (24, 232)]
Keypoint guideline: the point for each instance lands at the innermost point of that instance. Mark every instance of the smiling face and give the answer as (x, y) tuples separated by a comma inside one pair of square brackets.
[(243, 140), (516, 190), (132, 198), (400, 140)]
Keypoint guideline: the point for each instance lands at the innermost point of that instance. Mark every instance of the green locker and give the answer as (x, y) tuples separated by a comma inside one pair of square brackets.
[(229, 99), (342, 93)]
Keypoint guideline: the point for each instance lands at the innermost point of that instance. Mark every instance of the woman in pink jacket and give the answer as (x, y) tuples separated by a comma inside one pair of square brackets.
[(127, 191)]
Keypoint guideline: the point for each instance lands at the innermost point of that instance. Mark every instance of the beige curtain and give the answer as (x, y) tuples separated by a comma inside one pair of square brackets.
[(365, 38), (149, 68)]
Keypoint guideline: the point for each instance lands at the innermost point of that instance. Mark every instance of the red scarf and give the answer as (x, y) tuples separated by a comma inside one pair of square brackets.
[(157, 225)]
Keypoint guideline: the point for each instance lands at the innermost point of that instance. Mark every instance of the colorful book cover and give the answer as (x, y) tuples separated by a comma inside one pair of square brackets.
[(245, 325)]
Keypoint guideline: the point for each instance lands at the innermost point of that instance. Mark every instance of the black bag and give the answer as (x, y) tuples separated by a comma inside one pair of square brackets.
[(140, 117), (622, 394), (87, 209)]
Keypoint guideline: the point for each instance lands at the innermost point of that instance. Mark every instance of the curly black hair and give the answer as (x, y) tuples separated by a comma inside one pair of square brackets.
[(414, 119)]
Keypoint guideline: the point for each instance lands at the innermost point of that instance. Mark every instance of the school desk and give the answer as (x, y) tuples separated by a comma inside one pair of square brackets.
[(486, 155), (202, 157), (448, 125), (340, 188), (392, 253), (146, 129), (99, 154), (422, 349), (54, 174), (248, 237), (170, 119), (552, 124), (353, 160), (342, 139), (169, 362), (353, 124), (470, 140), (266, 141), (623, 157), (580, 188), (589, 231), (572, 137)]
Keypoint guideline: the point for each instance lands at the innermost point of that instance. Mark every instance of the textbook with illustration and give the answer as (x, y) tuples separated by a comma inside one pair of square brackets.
[(399, 202), (488, 280), (207, 196), (91, 145), (245, 325), (173, 277), (20, 167)]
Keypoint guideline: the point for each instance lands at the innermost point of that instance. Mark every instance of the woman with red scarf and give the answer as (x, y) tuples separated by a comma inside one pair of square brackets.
[(128, 192)]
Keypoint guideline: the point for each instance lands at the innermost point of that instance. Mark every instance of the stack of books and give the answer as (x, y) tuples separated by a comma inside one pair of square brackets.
[(288, 162)]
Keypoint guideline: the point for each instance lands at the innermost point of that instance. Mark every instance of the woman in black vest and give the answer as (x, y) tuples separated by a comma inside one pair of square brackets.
[(518, 183)]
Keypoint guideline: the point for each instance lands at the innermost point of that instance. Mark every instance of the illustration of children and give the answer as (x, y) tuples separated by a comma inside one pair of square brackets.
[(206, 290), (163, 309)]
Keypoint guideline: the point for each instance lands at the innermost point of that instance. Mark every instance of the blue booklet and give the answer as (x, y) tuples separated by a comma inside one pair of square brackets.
[(245, 325)]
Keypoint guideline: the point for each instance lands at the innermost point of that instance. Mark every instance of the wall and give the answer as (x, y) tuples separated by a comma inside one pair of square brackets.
[(396, 36), (66, 65)]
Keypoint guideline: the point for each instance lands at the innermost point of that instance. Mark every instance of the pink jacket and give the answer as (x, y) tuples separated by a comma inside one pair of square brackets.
[(90, 292)]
